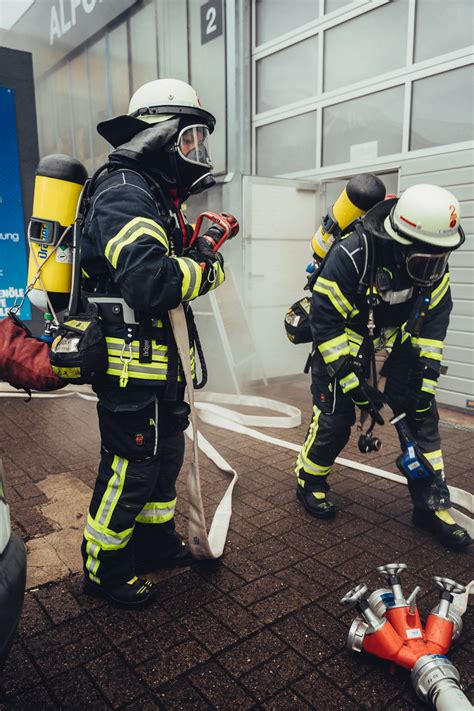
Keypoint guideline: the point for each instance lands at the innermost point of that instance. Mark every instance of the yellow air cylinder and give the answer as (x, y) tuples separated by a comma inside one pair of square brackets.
[(58, 184), (362, 192)]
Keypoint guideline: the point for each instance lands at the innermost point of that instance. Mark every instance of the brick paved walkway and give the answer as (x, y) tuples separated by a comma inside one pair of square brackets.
[(262, 628)]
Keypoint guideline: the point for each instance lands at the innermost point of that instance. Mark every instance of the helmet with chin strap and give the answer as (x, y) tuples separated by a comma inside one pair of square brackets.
[(426, 213), (425, 220), (188, 164)]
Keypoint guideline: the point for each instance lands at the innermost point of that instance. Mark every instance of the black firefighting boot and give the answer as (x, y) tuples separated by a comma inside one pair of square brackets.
[(316, 502), (159, 546), (442, 525), (133, 594)]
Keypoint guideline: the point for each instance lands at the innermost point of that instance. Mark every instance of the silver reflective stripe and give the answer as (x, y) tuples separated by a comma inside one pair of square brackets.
[(333, 349), (313, 468), (397, 297), (152, 513), (108, 539), (112, 489)]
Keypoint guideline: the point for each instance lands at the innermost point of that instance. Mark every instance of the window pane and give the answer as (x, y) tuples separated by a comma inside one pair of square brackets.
[(362, 48), (360, 130), (143, 46), (335, 187), (63, 111), (287, 146), (442, 109), (98, 97), (118, 68), (80, 110), (442, 27), (331, 5), (46, 124), (280, 80), (275, 17)]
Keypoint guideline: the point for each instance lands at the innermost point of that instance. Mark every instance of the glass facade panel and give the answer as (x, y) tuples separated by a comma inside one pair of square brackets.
[(46, 122), (276, 17), (118, 70), (443, 109), (62, 109), (143, 46), (80, 110), (363, 129), (280, 80), (287, 146), (359, 48), (442, 27), (331, 5), (98, 98)]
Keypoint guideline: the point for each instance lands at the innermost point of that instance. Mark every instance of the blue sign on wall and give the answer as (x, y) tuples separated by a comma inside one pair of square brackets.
[(13, 266)]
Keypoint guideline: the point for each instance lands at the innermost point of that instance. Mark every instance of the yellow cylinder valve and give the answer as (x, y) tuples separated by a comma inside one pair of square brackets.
[(58, 184)]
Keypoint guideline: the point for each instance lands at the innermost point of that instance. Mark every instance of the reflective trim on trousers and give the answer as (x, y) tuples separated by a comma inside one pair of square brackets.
[(112, 492), (157, 512), (435, 459), (303, 461), (106, 538), (92, 562)]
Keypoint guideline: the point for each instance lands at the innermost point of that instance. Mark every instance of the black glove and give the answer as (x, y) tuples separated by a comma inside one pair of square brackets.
[(421, 392), (368, 399), (348, 371), (202, 253)]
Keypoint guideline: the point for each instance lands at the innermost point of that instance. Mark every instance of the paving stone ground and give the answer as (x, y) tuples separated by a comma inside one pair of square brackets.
[(259, 629)]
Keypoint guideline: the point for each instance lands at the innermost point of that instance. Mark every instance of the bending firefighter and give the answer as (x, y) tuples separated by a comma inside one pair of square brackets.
[(385, 286), (136, 267)]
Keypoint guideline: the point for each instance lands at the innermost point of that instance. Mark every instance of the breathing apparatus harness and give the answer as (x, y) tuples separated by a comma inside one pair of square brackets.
[(138, 328), (376, 280)]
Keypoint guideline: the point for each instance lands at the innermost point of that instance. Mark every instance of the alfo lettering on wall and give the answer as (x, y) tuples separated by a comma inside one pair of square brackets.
[(64, 16)]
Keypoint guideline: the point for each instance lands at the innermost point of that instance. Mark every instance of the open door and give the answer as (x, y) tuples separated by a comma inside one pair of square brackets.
[(280, 217)]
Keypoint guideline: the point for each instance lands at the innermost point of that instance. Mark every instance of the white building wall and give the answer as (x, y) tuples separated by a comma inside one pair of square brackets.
[(454, 171)]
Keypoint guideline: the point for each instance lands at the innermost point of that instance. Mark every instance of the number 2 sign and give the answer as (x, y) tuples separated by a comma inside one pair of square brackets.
[(211, 20)]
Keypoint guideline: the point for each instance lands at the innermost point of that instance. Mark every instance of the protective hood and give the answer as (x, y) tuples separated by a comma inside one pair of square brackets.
[(144, 146), (121, 129), (374, 219)]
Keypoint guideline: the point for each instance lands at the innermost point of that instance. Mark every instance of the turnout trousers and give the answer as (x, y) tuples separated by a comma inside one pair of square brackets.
[(334, 414), (132, 508)]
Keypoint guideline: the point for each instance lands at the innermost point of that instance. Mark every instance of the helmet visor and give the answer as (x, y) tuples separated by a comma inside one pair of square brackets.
[(425, 269), (193, 145)]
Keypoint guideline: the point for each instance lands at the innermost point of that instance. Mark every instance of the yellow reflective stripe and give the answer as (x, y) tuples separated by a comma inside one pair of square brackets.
[(133, 230), (192, 278), (104, 537), (335, 348), (92, 562), (332, 291), (303, 461), (219, 276), (435, 459), (113, 491), (81, 325), (157, 512), (429, 348), (440, 291), (349, 382), (429, 386)]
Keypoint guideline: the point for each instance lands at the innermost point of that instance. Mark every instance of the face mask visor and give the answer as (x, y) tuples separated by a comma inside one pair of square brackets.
[(193, 146), (426, 269)]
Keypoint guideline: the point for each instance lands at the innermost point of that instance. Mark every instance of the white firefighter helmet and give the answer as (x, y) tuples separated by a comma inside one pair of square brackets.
[(428, 214), (155, 102)]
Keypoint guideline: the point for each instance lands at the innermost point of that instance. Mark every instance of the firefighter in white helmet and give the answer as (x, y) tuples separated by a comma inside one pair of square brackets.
[(384, 286), (136, 267)]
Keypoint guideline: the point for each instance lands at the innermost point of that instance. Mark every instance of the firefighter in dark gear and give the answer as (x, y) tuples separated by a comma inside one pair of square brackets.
[(384, 286), (136, 267)]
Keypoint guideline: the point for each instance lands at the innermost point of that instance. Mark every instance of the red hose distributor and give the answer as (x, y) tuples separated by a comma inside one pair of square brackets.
[(390, 628)]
